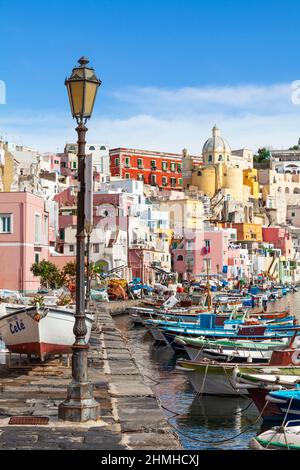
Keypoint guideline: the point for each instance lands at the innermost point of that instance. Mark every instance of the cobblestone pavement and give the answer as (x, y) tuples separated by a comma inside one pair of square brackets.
[(130, 415)]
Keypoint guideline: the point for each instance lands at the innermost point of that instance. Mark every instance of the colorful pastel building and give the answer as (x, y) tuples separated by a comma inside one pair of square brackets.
[(281, 238), (154, 168), (213, 249), (24, 239)]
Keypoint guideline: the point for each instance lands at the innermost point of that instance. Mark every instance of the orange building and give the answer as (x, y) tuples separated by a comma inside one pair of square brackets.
[(246, 232)]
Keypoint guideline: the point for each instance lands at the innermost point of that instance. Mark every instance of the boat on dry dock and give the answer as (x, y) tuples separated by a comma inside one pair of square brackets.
[(39, 331)]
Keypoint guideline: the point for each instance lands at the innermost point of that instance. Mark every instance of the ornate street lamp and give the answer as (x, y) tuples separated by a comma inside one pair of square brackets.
[(80, 405), (88, 231)]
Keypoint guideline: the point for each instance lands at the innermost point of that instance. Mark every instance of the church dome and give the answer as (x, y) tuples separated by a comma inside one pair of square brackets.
[(216, 144)]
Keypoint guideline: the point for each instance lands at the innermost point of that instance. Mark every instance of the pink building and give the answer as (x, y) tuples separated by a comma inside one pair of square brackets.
[(216, 249), (55, 163), (280, 238), (24, 239)]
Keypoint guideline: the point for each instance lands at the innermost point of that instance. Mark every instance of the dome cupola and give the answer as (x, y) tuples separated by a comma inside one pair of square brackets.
[(216, 149)]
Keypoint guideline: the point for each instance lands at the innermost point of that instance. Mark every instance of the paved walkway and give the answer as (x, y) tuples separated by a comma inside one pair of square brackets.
[(130, 415)]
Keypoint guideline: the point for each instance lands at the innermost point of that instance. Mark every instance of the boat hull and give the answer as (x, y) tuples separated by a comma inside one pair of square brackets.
[(51, 334), (208, 380)]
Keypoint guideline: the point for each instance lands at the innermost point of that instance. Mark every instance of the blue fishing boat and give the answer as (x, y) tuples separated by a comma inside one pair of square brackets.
[(232, 328), (287, 401)]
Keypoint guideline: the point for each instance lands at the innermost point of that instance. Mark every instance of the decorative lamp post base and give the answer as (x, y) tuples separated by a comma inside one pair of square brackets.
[(80, 405)]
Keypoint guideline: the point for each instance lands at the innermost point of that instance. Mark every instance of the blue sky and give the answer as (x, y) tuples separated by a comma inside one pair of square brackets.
[(170, 70)]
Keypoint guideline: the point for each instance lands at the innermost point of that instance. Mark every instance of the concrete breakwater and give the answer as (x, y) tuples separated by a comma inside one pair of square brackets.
[(130, 414)]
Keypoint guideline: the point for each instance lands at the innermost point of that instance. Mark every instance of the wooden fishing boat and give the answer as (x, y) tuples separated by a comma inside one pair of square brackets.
[(259, 384), (229, 351), (212, 378), (40, 331), (278, 438), (287, 403)]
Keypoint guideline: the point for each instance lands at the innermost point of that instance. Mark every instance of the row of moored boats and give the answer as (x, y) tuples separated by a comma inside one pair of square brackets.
[(232, 351)]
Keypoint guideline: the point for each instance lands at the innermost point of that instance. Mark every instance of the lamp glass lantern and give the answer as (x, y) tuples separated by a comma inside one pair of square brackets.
[(82, 88)]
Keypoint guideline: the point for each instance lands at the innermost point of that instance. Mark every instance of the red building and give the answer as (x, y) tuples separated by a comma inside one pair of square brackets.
[(155, 168)]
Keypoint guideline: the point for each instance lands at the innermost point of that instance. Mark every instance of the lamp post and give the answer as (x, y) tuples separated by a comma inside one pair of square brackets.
[(88, 230), (80, 405)]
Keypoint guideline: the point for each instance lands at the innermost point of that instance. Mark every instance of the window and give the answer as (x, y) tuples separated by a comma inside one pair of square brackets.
[(179, 258), (210, 158), (5, 223), (153, 180), (173, 182), (71, 248), (117, 161), (173, 166), (127, 176), (127, 162), (37, 228), (96, 247), (62, 233), (293, 214), (164, 181), (164, 166), (180, 181), (36, 258), (140, 163), (207, 244), (92, 148), (140, 177), (179, 167), (220, 158), (74, 165), (153, 164), (102, 147)]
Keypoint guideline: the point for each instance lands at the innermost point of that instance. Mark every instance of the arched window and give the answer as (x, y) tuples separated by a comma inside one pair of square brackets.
[(92, 148), (279, 190), (179, 258), (297, 191), (199, 173), (220, 158), (287, 190), (210, 158), (102, 147)]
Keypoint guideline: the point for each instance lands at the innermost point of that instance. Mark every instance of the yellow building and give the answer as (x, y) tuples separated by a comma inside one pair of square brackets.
[(7, 171), (210, 179), (185, 214), (250, 178), (222, 169)]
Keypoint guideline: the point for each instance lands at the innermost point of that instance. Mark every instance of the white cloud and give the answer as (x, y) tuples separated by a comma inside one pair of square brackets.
[(169, 120)]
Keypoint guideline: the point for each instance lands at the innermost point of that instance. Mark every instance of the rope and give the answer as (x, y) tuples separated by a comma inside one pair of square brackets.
[(228, 378), (204, 379)]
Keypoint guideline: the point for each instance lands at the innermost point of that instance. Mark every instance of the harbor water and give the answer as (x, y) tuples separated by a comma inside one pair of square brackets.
[(201, 422)]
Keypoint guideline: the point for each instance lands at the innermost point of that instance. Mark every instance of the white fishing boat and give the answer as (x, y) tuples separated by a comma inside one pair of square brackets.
[(278, 438), (209, 378), (39, 331)]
